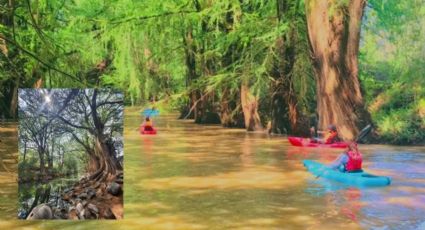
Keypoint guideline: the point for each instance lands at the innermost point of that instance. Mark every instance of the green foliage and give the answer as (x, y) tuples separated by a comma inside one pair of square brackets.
[(392, 68), (141, 47)]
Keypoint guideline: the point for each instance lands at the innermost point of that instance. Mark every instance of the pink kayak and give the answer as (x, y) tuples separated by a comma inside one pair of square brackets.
[(147, 132), (305, 142)]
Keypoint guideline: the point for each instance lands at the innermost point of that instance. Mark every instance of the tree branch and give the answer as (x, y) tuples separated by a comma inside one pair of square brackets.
[(38, 59), (151, 16), (109, 102), (73, 125)]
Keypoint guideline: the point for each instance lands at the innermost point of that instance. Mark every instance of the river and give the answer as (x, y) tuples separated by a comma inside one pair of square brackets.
[(192, 176)]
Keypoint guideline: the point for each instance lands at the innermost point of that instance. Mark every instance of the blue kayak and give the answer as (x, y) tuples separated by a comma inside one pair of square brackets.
[(359, 179)]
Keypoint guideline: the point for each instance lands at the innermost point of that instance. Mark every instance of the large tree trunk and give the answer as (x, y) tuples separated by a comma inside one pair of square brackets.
[(41, 153), (250, 109), (50, 157), (14, 100), (25, 150), (334, 33), (107, 166)]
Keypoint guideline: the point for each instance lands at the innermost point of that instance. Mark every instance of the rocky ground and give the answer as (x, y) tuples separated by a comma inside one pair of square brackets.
[(85, 200)]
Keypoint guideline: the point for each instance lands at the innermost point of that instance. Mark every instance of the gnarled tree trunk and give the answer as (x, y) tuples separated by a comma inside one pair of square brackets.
[(334, 34), (41, 153), (107, 167), (104, 160), (250, 109)]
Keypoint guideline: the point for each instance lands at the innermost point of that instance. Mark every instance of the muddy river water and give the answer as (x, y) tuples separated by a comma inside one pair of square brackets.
[(190, 176)]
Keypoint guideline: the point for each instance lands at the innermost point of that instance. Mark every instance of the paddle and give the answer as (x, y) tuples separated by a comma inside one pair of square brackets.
[(363, 133)]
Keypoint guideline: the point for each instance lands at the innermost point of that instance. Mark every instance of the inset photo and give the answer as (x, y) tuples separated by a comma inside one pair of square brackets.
[(70, 154)]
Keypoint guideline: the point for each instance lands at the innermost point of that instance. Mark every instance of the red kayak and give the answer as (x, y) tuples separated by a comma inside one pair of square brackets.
[(305, 142), (147, 132)]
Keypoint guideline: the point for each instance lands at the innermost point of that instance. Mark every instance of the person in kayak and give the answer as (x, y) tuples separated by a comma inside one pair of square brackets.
[(329, 136), (349, 161), (148, 124), (313, 125)]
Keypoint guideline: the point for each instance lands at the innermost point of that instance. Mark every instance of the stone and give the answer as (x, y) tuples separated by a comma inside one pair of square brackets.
[(66, 197), (82, 214), (119, 181), (80, 211), (91, 194), (93, 208), (99, 192), (83, 196), (96, 185), (79, 208), (41, 211), (58, 214), (91, 212), (114, 189), (22, 214), (89, 215), (72, 215), (107, 214)]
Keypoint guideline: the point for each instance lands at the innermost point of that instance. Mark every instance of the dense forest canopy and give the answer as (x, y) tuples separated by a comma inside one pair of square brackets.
[(68, 131), (239, 63)]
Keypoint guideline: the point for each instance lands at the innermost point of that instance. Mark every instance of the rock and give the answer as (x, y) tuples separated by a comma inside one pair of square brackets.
[(119, 181), (89, 215), (107, 214), (67, 196), (96, 185), (91, 193), (99, 192), (83, 196), (64, 215), (72, 214), (58, 214), (82, 214), (22, 214), (79, 208), (91, 212), (41, 211), (114, 189), (80, 211), (93, 208)]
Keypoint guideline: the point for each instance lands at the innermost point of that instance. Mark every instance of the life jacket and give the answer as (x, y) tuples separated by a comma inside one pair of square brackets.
[(330, 137), (148, 123), (354, 161)]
